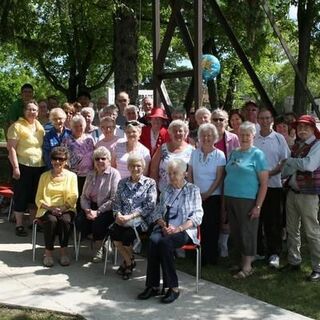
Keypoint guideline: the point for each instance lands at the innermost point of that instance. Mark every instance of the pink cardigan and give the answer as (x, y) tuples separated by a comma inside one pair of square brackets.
[(232, 142)]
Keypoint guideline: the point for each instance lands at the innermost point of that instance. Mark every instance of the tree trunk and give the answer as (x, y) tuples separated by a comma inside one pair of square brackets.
[(228, 103), (126, 51), (306, 16)]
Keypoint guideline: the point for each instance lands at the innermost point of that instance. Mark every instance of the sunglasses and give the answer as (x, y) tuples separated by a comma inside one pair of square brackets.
[(218, 119), (133, 123), (58, 159), (100, 158)]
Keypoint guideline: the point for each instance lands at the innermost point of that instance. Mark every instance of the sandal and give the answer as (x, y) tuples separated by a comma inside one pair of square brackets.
[(121, 269), (20, 232), (127, 273), (133, 263), (242, 274)]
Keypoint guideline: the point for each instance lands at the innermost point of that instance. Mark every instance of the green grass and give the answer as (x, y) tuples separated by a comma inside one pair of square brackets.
[(14, 313), (290, 291)]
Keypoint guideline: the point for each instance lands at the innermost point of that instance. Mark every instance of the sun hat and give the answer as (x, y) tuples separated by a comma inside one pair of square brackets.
[(310, 120), (157, 113)]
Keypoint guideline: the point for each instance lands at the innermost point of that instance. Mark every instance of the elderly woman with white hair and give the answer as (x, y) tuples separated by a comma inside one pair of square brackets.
[(206, 170), (202, 115), (227, 141), (55, 136), (81, 147), (245, 188), (131, 112), (122, 149), (97, 197), (88, 114), (134, 203), (175, 148), (176, 219)]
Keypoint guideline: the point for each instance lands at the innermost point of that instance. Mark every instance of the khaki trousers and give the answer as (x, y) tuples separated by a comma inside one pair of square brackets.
[(303, 208)]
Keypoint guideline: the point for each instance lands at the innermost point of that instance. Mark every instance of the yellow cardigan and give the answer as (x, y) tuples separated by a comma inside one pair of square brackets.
[(57, 194)]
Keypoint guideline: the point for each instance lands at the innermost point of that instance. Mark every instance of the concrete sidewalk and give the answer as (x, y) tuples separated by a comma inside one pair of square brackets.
[(81, 288)]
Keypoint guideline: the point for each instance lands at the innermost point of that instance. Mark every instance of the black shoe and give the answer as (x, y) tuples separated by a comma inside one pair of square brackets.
[(170, 296), (290, 267), (314, 276), (21, 232), (148, 293)]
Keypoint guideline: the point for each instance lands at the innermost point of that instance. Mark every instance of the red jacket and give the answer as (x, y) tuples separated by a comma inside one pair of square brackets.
[(145, 138)]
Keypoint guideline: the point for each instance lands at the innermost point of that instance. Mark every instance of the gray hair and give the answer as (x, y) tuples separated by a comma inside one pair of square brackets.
[(102, 152), (178, 123), (108, 109), (248, 126), (202, 111), (222, 112), (177, 164), (135, 157), (78, 118), (131, 107), (205, 127), (88, 110), (57, 112)]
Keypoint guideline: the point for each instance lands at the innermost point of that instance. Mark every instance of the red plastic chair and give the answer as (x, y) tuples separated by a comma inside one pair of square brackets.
[(197, 248), (7, 192)]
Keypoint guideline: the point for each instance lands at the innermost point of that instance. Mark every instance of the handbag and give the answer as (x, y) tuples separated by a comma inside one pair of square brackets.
[(133, 223)]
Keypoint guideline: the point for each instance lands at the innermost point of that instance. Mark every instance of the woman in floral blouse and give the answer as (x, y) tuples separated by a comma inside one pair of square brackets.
[(135, 201)]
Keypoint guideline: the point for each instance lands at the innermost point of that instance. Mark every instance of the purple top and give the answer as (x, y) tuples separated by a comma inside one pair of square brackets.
[(81, 153)]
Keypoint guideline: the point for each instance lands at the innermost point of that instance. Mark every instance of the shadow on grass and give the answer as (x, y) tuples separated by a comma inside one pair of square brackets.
[(288, 290)]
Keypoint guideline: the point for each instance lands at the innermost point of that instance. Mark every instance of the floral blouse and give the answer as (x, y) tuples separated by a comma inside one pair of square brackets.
[(136, 197)]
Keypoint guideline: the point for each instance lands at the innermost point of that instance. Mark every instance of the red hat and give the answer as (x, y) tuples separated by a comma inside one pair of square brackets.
[(310, 120), (157, 113)]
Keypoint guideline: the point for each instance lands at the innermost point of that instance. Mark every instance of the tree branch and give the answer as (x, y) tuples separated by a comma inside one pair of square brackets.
[(103, 81)]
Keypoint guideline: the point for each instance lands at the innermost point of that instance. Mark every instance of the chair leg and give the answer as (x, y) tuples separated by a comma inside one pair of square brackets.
[(34, 239), (10, 209), (197, 270), (76, 252), (106, 247), (115, 255), (78, 244)]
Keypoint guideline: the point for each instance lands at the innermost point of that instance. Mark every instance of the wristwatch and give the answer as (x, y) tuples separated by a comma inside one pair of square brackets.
[(98, 212)]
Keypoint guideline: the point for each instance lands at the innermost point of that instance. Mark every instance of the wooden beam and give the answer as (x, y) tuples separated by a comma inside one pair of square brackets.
[(175, 74), (197, 53), (242, 56), (155, 49)]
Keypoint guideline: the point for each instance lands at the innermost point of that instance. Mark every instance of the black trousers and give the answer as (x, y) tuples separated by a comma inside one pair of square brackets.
[(98, 227), (161, 253), (270, 223), (53, 225), (210, 229)]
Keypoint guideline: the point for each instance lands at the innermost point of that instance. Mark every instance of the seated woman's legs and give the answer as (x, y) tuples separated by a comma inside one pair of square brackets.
[(63, 230), (123, 239), (49, 231), (100, 227), (83, 224)]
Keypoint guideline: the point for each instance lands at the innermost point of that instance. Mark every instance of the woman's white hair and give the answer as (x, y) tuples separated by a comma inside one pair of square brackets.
[(78, 118), (205, 127), (202, 111), (178, 123), (135, 157), (88, 110), (131, 107), (102, 152), (177, 164), (57, 112), (248, 126), (222, 112)]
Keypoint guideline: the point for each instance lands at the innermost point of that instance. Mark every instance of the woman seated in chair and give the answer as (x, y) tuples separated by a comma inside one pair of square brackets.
[(135, 201), (96, 200), (176, 216), (56, 201)]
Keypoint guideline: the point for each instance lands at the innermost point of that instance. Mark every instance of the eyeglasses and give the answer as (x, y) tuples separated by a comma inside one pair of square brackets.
[(133, 123), (100, 158), (58, 159), (218, 119)]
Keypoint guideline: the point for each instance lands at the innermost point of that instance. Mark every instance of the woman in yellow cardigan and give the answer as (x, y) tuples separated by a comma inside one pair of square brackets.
[(56, 201)]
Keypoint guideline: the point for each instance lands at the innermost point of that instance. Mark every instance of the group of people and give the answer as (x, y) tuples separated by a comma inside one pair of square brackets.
[(122, 174)]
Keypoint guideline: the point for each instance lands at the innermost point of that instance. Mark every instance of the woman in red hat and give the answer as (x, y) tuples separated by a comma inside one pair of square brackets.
[(154, 136)]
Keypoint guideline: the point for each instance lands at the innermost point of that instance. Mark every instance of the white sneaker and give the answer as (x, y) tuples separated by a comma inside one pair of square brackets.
[(274, 261)]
